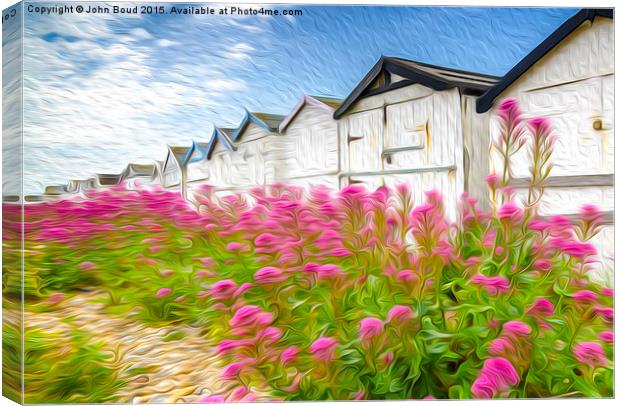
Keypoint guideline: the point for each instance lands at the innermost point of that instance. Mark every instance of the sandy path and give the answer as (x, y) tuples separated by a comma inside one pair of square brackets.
[(179, 371)]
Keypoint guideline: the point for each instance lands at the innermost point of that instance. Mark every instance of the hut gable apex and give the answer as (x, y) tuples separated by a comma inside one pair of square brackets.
[(380, 79), (270, 122), (485, 101), (220, 135), (326, 103), (176, 155), (197, 152)]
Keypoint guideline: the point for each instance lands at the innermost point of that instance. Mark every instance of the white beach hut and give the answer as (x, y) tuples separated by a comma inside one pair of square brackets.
[(403, 124), (307, 152)]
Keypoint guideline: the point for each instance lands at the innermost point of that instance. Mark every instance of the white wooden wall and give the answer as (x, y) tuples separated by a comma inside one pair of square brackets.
[(172, 175), (199, 169), (573, 86), (412, 135), (308, 147)]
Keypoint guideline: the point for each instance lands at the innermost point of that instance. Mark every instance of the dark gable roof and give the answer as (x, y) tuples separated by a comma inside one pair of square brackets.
[(485, 101), (435, 77)]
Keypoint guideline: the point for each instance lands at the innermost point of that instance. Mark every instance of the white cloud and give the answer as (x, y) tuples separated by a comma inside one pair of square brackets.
[(166, 42), (226, 84), (140, 33)]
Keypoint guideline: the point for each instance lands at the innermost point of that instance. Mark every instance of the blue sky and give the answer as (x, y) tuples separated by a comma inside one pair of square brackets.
[(105, 90)]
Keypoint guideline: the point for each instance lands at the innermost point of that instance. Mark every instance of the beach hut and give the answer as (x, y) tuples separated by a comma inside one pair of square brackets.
[(135, 174), (568, 78), (55, 191), (402, 123), (173, 174), (307, 151), (255, 162), (220, 151), (107, 179)]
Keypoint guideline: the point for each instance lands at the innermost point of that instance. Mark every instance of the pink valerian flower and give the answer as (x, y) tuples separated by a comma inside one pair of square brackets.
[(606, 312), (407, 275), (585, 296), (250, 316), (227, 345), (542, 307), (267, 243), (87, 266), (493, 285), (289, 355), (512, 134), (324, 348), (542, 265), (238, 394), (492, 180), (223, 290), (607, 292), (203, 274), (510, 211), (606, 336), (163, 292), (270, 335), (538, 225), (237, 247), (212, 399), (400, 314), (294, 386), (591, 220), (270, 275), (539, 125), (590, 213), (166, 272), (233, 370), (541, 149), (387, 358), (575, 249), (561, 227), (370, 328), (243, 288), (590, 353), (516, 328), (501, 346), (207, 262), (497, 375), (326, 271)]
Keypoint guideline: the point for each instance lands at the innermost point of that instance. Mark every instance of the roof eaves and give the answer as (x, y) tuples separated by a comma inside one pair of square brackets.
[(359, 88), (485, 101)]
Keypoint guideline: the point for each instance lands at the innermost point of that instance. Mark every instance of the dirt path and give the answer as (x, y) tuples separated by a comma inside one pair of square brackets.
[(176, 371)]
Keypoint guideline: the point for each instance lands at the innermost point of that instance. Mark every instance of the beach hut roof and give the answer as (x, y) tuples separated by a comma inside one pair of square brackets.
[(133, 170), (485, 101), (55, 189), (107, 179), (329, 104), (175, 155), (269, 122), (378, 79)]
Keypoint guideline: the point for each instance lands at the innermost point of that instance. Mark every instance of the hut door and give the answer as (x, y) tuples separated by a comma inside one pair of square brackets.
[(364, 140)]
